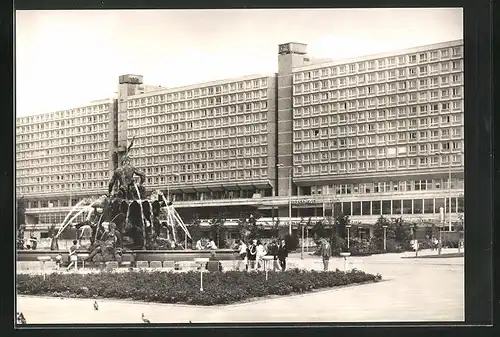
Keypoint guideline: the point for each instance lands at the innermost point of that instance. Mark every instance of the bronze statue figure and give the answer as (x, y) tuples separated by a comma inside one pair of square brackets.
[(124, 178)]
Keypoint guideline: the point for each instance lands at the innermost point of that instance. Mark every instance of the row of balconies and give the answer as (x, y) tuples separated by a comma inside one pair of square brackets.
[(348, 83), (401, 94), (341, 70), (375, 83), (80, 139), (375, 105), (192, 135), (182, 116), (156, 98), (377, 126), (28, 163), (170, 107), (187, 126), (29, 146), (41, 120), (298, 114)]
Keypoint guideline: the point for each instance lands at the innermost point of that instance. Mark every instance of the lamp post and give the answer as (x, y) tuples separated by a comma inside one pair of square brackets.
[(385, 237), (449, 184), (302, 248), (449, 189), (441, 215), (289, 196), (348, 235)]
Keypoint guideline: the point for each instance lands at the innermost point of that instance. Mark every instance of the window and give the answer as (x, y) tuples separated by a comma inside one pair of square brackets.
[(456, 79), (456, 51)]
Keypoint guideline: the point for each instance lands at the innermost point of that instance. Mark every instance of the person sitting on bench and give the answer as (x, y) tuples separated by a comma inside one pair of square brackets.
[(213, 263)]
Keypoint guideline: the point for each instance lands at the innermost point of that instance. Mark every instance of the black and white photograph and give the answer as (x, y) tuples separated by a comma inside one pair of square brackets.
[(239, 166)]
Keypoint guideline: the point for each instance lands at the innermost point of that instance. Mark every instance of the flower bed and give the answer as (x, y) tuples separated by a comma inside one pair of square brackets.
[(167, 287)]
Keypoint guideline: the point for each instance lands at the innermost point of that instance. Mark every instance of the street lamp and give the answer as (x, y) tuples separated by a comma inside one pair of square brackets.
[(385, 237), (449, 183), (302, 248), (348, 235), (289, 196), (441, 221)]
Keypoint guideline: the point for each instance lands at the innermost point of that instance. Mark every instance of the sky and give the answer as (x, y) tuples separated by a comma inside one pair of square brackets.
[(65, 59)]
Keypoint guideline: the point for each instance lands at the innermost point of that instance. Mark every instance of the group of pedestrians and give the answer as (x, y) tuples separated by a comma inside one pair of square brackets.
[(251, 255), (203, 243)]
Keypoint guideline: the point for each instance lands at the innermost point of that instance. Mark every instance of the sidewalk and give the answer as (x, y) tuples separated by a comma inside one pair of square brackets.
[(411, 291)]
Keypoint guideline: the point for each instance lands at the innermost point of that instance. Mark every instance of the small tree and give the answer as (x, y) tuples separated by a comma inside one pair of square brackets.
[(21, 212), (276, 228), (319, 231), (341, 221), (377, 240), (195, 229), (402, 233), (218, 230)]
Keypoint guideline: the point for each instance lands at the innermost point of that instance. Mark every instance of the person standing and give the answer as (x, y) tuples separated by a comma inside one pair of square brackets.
[(242, 251), (273, 251), (282, 254), (326, 252), (252, 254), (261, 252), (72, 255)]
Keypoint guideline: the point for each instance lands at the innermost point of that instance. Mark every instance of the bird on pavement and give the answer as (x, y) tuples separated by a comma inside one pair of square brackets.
[(190, 322), (20, 318), (144, 319), (96, 306)]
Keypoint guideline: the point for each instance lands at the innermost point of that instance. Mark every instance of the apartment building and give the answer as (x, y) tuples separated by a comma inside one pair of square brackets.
[(375, 135), (61, 157), (206, 141)]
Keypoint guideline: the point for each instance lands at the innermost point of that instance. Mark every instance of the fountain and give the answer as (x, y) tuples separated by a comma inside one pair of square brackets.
[(128, 223), (124, 219)]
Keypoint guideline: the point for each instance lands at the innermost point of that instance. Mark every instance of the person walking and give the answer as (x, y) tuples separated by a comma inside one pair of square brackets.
[(326, 252), (282, 254), (72, 255)]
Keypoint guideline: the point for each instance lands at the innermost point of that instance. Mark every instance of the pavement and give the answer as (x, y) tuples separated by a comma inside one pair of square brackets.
[(412, 290)]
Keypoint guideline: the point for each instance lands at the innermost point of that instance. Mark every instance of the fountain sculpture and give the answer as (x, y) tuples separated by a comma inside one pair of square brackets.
[(125, 219)]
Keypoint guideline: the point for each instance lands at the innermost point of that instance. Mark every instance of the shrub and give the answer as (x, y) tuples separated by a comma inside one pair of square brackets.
[(169, 287)]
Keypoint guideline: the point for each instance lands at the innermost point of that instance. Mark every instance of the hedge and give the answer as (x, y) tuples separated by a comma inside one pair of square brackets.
[(169, 287)]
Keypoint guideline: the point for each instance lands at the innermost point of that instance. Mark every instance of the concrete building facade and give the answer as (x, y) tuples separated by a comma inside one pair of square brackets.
[(375, 135)]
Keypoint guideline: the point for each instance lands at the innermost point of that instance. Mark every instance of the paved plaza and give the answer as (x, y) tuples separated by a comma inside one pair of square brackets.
[(413, 290)]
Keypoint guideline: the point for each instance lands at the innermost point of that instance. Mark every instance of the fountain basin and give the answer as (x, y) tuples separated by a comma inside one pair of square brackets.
[(136, 255)]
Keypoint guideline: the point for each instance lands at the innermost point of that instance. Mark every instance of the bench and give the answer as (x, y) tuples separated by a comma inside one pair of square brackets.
[(43, 259), (111, 265), (125, 264), (169, 264), (155, 264), (142, 264)]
